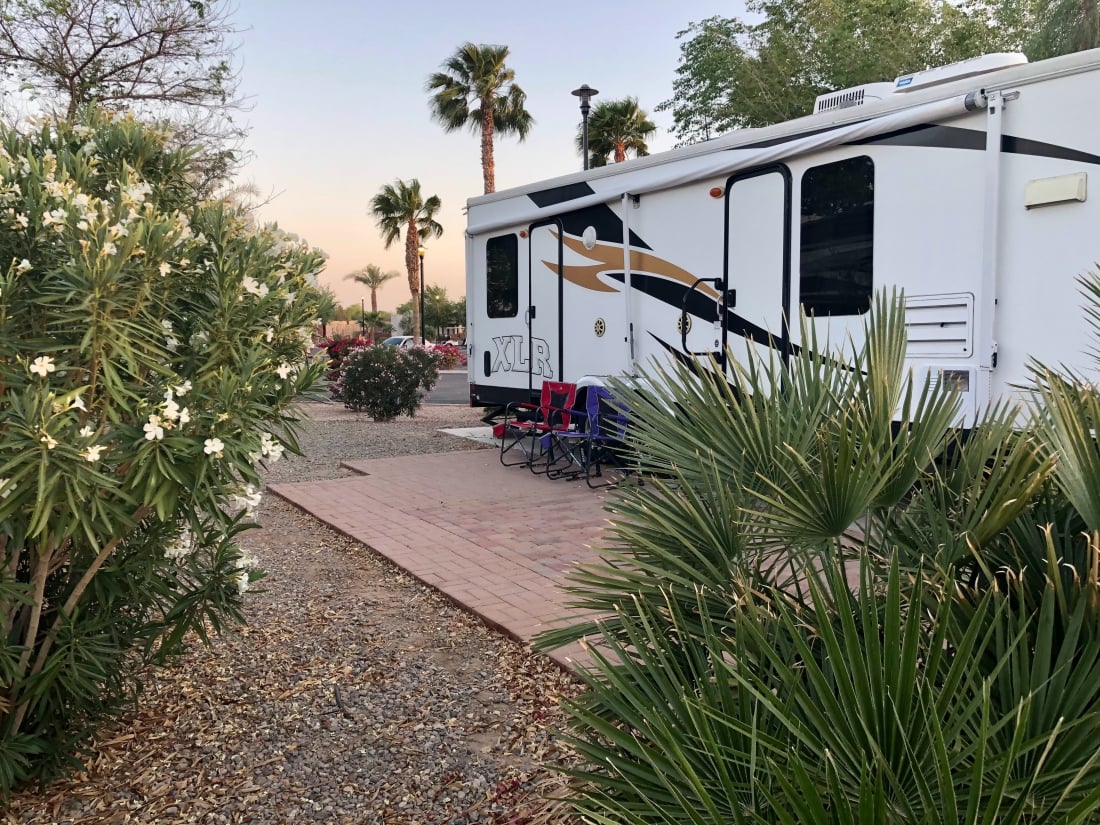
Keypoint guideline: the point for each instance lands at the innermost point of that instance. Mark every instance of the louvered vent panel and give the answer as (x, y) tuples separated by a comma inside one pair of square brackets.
[(940, 325)]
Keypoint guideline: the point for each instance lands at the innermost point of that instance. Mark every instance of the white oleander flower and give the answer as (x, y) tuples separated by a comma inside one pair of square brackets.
[(23, 266), (48, 440), (182, 389), (269, 334), (164, 269), (170, 408), (86, 431), (284, 369), (78, 404), (254, 287), (43, 365), (92, 454), (153, 430), (185, 416), (213, 446)]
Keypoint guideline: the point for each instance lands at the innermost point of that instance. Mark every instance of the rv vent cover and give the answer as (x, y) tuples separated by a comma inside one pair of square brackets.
[(856, 96)]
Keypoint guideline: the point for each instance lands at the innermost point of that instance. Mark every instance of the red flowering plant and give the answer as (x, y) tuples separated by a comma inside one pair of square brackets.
[(337, 350), (452, 357)]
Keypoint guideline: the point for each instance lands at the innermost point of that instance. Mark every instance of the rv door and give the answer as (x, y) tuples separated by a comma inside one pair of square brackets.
[(544, 338), (758, 259)]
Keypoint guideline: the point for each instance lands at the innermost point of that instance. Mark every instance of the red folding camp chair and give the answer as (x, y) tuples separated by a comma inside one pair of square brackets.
[(524, 425)]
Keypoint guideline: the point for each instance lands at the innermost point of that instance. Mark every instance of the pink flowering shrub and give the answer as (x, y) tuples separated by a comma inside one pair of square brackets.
[(386, 382), (337, 349), (152, 350), (451, 357)]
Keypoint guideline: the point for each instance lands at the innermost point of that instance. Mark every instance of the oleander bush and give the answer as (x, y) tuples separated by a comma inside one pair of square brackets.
[(825, 605), (451, 357), (386, 382), (337, 348), (151, 351)]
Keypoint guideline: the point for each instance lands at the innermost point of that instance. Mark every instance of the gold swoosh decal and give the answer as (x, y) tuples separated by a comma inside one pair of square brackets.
[(610, 257)]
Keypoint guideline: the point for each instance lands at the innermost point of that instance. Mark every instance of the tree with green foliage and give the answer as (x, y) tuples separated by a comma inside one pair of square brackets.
[(373, 278), (327, 308), (401, 207), (439, 312), (476, 89), (151, 352), (735, 74), (159, 59), (828, 605), (615, 128), (1065, 26)]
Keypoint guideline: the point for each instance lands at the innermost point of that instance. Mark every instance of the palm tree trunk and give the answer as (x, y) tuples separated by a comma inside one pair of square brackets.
[(620, 152), (412, 264), (488, 165), (374, 299)]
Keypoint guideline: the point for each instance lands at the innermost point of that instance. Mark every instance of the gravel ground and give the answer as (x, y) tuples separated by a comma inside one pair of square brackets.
[(354, 694)]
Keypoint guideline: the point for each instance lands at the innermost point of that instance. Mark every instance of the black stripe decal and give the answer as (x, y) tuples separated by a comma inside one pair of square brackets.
[(954, 137), (561, 194), (702, 307), (1024, 146), (608, 225)]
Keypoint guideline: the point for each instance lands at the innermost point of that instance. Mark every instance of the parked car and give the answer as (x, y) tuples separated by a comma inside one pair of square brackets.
[(404, 341)]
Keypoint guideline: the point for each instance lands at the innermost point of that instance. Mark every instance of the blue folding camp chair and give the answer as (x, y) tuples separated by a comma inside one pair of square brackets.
[(585, 452)]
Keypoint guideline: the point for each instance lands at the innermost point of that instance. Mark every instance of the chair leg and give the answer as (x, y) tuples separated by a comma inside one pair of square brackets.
[(520, 439), (569, 459)]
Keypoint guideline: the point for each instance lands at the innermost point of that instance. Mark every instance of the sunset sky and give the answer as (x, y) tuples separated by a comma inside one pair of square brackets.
[(338, 108)]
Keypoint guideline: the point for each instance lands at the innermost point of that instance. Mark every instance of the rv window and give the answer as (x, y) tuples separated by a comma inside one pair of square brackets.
[(502, 276), (837, 234)]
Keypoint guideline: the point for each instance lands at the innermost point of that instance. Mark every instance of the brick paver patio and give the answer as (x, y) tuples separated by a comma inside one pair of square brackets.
[(497, 540)]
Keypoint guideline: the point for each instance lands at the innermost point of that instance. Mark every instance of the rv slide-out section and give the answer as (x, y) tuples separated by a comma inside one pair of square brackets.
[(966, 187)]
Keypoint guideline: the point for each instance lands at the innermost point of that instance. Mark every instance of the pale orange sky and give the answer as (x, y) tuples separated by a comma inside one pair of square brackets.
[(339, 109)]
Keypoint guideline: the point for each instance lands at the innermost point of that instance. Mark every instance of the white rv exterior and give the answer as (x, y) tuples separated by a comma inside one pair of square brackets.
[(966, 186)]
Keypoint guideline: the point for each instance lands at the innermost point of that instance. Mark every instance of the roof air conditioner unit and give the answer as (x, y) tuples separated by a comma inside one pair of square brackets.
[(856, 96), (956, 71)]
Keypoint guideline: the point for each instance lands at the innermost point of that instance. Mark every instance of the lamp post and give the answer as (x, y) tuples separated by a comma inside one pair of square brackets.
[(585, 93), (362, 315), (420, 251)]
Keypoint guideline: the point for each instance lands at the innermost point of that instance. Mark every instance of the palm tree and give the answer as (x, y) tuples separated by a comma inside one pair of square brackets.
[(615, 128), (372, 277), (401, 206), (326, 308), (476, 89)]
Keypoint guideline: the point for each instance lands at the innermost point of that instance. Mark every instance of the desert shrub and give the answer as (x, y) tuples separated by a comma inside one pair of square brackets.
[(337, 349), (824, 606), (386, 382), (151, 351), (451, 357)]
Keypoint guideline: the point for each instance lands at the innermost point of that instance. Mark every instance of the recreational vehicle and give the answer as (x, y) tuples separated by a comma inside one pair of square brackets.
[(966, 186)]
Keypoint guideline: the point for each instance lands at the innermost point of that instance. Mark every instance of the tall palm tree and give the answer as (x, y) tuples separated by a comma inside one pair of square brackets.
[(398, 207), (616, 127), (476, 89), (373, 278)]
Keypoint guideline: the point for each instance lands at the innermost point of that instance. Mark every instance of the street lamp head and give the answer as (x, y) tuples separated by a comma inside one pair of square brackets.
[(420, 251), (585, 93)]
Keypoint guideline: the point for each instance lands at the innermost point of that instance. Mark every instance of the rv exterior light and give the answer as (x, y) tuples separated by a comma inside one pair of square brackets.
[(588, 237), (585, 93), (717, 192)]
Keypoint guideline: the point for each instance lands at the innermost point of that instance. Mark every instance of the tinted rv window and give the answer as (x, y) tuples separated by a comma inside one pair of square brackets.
[(502, 276), (838, 217)]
